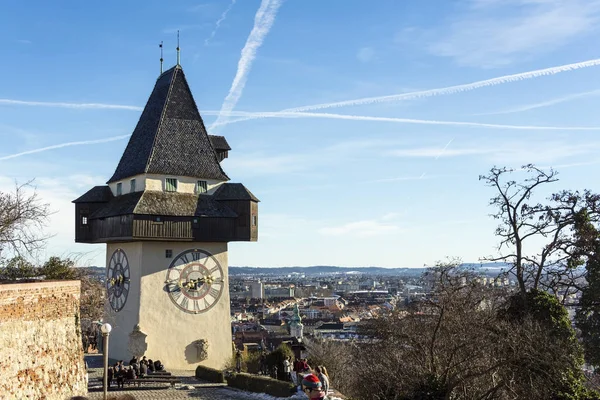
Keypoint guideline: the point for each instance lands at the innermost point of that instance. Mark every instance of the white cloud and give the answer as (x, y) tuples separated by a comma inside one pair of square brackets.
[(61, 145), (263, 21), (537, 151), (12, 102), (246, 115), (492, 33), (365, 54), (219, 22), (467, 87), (365, 228), (543, 104)]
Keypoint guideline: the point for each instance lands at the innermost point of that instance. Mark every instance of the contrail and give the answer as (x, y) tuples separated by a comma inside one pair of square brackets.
[(444, 149), (68, 144), (281, 114), (69, 105), (263, 21), (219, 21), (455, 89), (544, 103)]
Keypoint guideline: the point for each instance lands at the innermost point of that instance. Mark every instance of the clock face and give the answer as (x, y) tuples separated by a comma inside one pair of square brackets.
[(195, 281), (118, 280)]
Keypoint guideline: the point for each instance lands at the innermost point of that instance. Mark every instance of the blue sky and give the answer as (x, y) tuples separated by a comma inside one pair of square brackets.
[(367, 182)]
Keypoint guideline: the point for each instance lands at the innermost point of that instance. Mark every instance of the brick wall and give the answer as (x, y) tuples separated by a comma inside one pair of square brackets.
[(41, 355)]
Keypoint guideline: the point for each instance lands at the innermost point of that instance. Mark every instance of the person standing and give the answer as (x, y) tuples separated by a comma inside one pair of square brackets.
[(238, 361), (323, 377), (111, 374), (287, 368)]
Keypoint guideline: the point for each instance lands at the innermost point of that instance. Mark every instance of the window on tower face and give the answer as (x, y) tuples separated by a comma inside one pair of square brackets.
[(254, 220), (132, 186), (169, 253), (170, 184), (201, 187), (119, 189), (84, 220)]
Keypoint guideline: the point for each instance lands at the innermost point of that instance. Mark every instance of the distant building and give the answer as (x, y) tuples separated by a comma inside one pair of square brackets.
[(296, 327), (257, 290)]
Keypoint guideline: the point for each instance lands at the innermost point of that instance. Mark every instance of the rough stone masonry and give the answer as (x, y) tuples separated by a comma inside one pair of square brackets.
[(41, 354)]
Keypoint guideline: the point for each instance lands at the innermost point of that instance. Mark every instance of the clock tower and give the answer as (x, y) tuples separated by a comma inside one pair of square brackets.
[(167, 215)]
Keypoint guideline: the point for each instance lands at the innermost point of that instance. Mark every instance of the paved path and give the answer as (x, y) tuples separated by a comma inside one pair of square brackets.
[(190, 388)]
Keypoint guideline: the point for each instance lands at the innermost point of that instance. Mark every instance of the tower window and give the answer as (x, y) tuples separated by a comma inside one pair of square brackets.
[(254, 220), (170, 184), (132, 186), (119, 189), (201, 187), (169, 253), (84, 221)]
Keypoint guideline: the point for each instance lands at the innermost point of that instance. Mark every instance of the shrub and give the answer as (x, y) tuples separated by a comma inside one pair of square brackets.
[(261, 384), (251, 362), (210, 374), (276, 358)]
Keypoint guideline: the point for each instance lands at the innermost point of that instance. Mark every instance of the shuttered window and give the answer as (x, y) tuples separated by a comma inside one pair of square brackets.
[(171, 184), (119, 189), (132, 186), (201, 187)]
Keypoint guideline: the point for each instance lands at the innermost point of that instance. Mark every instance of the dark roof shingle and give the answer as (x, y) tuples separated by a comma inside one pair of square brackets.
[(170, 137), (168, 204), (234, 191), (97, 194), (219, 143)]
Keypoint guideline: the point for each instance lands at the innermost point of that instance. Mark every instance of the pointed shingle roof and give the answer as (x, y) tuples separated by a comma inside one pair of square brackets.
[(234, 191), (170, 137)]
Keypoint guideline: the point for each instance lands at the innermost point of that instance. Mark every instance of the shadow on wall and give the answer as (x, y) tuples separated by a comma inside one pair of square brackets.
[(197, 351)]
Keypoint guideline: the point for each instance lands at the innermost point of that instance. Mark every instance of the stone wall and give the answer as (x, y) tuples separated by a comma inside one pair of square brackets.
[(41, 355)]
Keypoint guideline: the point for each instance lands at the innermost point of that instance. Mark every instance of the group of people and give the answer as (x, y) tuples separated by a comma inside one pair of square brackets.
[(316, 383), (136, 369)]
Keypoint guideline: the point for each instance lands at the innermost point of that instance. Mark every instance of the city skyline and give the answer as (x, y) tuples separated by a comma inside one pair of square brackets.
[(361, 129)]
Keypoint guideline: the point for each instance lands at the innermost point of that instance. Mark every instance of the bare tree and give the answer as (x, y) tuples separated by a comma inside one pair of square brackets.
[(464, 342), (22, 217), (538, 240)]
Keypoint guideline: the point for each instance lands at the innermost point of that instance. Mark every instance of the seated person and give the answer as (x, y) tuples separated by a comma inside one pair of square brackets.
[(158, 366), (150, 365), (130, 373), (143, 369), (136, 368)]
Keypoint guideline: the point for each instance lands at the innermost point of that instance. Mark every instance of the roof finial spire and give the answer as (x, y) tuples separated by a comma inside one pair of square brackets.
[(178, 58), (161, 56)]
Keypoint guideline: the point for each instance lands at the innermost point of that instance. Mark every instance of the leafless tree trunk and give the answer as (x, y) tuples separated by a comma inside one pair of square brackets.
[(22, 217), (551, 265)]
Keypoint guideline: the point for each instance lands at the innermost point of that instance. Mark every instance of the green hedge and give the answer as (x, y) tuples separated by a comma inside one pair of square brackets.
[(261, 384), (210, 374)]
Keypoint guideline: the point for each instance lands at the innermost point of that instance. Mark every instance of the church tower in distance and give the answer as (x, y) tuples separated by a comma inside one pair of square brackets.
[(166, 215)]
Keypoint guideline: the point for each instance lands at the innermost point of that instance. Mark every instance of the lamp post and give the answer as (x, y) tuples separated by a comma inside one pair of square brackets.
[(105, 329)]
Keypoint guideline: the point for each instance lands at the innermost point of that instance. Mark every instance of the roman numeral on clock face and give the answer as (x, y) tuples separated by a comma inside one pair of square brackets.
[(214, 292), (184, 302)]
